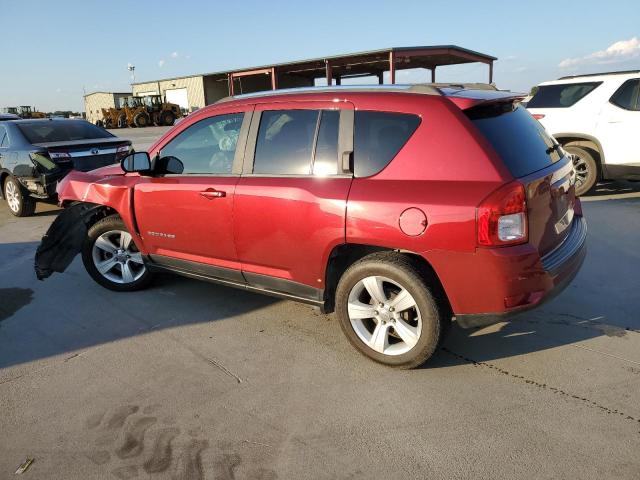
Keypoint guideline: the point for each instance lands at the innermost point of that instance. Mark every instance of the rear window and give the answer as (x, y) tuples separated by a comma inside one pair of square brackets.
[(520, 140), (61, 131), (378, 137), (561, 96), (628, 95)]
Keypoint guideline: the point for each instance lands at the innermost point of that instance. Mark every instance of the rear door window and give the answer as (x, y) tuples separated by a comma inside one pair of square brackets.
[(561, 95), (628, 95), (378, 137), (285, 142), (325, 161), (519, 139)]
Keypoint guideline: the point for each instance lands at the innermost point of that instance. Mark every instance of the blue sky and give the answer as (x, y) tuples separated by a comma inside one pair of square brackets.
[(55, 50)]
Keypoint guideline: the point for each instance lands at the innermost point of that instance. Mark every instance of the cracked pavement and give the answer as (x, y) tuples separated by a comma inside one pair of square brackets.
[(191, 380)]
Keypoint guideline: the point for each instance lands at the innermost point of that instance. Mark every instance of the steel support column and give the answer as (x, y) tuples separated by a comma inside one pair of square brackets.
[(392, 67), (329, 73), (433, 75), (491, 72), (274, 79)]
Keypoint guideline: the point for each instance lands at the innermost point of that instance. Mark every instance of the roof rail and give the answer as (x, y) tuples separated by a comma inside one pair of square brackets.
[(619, 72), (421, 88)]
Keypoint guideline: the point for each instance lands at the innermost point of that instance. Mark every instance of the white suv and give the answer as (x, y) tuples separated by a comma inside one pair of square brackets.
[(596, 118)]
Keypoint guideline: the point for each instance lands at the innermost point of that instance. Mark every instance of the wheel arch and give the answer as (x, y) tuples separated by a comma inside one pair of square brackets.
[(585, 141), (344, 255), (4, 174)]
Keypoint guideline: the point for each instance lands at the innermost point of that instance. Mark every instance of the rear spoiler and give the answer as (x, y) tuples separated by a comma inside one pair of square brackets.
[(85, 141), (465, 99)]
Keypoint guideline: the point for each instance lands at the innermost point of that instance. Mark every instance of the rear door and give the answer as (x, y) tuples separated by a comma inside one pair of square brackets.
[(291, 200), (186, 220), (619, 125)]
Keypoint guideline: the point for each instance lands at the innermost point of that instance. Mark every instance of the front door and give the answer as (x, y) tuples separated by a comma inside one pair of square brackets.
[(185, 219), (291, 200)]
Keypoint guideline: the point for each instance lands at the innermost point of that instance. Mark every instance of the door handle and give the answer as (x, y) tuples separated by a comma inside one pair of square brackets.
[(211, 193)]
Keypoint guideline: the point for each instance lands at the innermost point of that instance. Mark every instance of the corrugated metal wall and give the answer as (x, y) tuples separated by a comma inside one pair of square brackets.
[(94, 102), (194, 86)]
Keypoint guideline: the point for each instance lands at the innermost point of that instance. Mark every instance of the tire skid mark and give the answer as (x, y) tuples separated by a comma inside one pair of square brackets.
[(125, 473), (162, 452), (226, 466), (120, 416), (544, 386), (133, 443), (190, 462)]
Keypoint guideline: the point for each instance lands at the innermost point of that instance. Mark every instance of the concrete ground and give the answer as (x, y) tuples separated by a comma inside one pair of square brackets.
[(189, 380)]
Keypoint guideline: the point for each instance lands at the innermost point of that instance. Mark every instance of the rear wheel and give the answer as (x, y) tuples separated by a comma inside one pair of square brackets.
[(19, 202), (141, 120), (388, 312), (111, 257), (168, 118), (586, 168)]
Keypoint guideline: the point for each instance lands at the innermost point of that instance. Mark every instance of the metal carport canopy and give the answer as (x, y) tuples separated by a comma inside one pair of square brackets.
[(370, 63)]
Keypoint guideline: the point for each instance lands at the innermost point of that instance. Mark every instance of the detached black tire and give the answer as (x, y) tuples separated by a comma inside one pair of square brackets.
[(586, 168), (18, 200), (111, 257), (389, 310)]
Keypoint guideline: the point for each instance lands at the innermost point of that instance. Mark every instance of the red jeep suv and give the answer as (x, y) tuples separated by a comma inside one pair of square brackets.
[(399, 207)]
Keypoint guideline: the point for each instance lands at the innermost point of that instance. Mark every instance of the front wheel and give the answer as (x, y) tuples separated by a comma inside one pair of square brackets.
[(389, 312), (111, 257)]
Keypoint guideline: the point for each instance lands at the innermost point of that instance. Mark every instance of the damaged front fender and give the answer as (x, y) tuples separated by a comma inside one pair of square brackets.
[(64, 239)]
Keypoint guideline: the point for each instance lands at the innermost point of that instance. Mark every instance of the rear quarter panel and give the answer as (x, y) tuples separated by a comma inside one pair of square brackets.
[(445, 169)]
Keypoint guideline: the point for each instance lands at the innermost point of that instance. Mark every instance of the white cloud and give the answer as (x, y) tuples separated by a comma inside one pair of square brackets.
[(618, 52), (161, 63), (174, 55)]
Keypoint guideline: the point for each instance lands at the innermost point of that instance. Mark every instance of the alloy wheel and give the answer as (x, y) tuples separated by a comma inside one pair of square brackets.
[(581, 168), (116, 257), (384, 315), (12, 195)]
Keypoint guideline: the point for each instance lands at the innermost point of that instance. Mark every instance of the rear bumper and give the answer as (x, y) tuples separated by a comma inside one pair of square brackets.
[(520, 291)]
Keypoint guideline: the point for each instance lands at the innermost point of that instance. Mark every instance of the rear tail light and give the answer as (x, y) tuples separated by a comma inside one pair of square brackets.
[(538, 116), (502, 217), (122, 151)]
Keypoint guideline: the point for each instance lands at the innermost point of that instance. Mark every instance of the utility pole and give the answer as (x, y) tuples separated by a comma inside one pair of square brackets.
[(132, 69)]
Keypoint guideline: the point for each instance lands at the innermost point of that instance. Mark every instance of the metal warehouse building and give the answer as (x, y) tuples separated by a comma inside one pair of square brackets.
[(196, 91), (96, 101)]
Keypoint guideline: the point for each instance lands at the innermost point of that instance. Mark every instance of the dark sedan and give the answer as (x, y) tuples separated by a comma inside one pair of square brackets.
[(36, 154)]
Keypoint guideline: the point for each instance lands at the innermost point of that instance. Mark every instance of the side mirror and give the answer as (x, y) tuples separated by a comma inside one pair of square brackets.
[(168, 165), (136, 162)]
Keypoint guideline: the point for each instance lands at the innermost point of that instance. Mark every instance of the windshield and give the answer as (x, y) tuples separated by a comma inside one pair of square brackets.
[(61, 131)]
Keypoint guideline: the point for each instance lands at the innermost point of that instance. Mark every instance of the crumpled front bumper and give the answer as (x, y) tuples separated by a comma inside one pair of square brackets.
[(64, 239)]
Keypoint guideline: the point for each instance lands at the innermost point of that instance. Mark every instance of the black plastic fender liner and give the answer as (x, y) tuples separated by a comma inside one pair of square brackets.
[(64, 239)]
